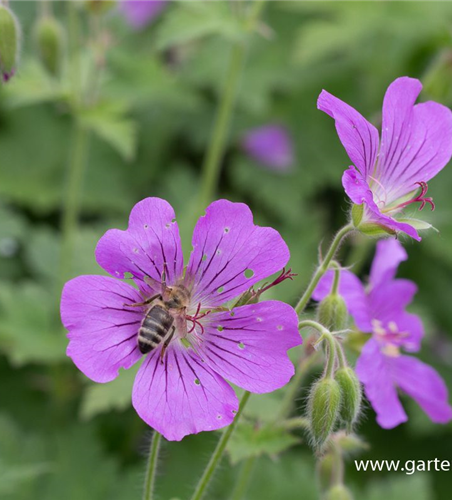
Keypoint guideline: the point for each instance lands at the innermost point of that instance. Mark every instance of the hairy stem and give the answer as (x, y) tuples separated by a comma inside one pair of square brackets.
[(215, 151), (215, 459), (71, 205), (149, 482), (322, 269), (243, 480)]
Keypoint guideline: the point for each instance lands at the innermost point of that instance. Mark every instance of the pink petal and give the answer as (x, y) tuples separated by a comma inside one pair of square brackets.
[(425, 386), (182, 395), (103, 335), (230, 253), (388, 256), (374, 370), (151, 240), (359, 137), (416, 140), (389, 299), (139, 13), (249, 346), (412, 325), (352, 290)]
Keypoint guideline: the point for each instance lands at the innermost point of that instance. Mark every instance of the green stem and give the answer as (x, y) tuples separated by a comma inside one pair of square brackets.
[(215, 152), (337, 277), (341, 355), (243, 479), (325, 335), (152, 466), (294, 386), (71, 207), (218, 452), (322, 269)]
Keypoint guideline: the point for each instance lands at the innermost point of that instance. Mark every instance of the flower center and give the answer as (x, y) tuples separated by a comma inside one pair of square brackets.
[(419, 198), (389, 337)]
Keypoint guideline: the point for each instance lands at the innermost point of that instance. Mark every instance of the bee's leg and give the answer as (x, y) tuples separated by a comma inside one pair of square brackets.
[(166, 344), (145, 303)]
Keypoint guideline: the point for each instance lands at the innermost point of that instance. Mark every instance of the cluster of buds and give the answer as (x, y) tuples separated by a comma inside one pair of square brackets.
[(9, 43), (335, 399)]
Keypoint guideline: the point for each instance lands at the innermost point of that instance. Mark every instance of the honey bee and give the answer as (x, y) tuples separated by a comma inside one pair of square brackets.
[(164, 309)]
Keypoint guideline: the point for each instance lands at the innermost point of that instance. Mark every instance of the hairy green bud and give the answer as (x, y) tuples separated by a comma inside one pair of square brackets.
[(339, 492), (325, 470), (49, 36), (9, 43), (99, 6), (323, 408), (351, 395), (332, 312)]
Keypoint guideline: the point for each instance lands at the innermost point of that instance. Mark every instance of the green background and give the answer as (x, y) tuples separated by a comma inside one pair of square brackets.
[(149, 126)]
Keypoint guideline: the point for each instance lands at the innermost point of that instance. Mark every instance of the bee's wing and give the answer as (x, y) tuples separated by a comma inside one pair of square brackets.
[(154, 284)]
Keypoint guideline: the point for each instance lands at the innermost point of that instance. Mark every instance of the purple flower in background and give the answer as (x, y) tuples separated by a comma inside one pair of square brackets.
[(380, 310), (180, 387), (271, 146), (140, 13), (390, 173)]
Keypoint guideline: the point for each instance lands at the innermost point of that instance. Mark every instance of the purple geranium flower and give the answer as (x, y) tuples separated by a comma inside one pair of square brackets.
[(271, 146), (180, 389), (380, 310), (389, 174), (140, 13)]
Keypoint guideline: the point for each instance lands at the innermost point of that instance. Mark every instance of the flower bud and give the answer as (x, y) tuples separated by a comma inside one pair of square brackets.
[(332, 312), (325, 471), (9, 43), (351, 395), (49, 36), (339, 492), (324, 405), (99, 6)]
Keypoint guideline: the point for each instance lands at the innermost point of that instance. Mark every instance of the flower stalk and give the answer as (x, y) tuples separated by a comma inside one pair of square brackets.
[(215, 459), (149, 483), (323, 268), (215, 151)]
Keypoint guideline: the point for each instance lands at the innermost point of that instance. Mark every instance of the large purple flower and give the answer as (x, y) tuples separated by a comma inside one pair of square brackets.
[(140, 13), (380, 310), (390, 173), (270, 145), (182, 390)]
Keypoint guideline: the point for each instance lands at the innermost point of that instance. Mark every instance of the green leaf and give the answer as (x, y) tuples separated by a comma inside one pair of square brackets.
[(116, 395), (415, 487), (188, 21), (29, 325), (107, 120), (251, 441)]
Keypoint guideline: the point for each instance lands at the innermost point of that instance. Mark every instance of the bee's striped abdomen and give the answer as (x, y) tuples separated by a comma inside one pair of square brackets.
[(154, 328)]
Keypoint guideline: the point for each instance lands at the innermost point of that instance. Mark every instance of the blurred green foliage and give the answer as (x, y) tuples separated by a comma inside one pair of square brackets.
[(149, 114)]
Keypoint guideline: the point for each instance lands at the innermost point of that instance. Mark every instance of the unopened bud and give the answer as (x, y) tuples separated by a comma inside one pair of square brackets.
[(339, 492), (351, 395), (99, 6), (50, 43), (350, 443), (324, 405), (9, 43), (332, 312), (325, 471)]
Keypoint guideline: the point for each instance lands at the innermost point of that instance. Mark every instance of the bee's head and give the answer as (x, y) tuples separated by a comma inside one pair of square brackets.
[(176, 297)]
